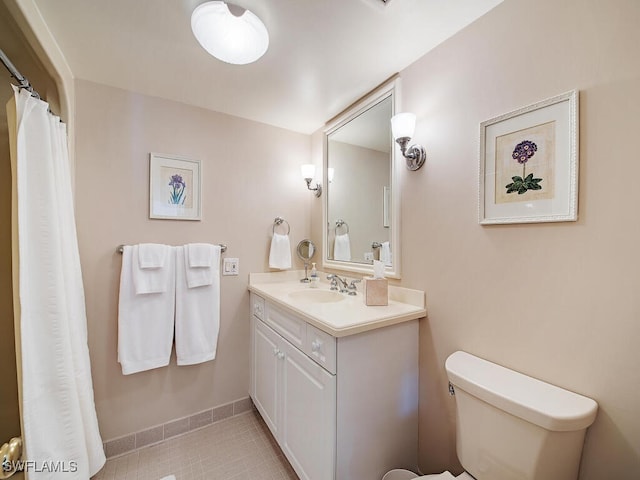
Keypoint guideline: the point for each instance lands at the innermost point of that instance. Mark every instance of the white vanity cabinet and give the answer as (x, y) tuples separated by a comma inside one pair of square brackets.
[(340, 408)]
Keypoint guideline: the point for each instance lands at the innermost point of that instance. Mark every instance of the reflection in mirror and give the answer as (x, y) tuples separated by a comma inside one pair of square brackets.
[(359, 175), (306, 250)]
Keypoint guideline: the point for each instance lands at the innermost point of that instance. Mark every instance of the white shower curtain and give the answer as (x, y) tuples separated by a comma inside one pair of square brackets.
[(60, 427)]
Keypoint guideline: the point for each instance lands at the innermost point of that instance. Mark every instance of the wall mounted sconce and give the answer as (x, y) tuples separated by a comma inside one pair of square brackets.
[(308, 171), (403, 126)]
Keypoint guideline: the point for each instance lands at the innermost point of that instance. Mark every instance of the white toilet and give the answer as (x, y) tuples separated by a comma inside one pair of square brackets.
[(514, 427)]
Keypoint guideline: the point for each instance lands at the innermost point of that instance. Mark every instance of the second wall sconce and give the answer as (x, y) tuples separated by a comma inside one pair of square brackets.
[(308, 171), (403, 126)]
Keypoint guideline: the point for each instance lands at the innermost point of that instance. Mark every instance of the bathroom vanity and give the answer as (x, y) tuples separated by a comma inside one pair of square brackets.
[(336, 381)]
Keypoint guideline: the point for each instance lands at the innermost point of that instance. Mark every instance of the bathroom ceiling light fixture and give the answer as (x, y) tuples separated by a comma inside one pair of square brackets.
[(308, 171), (403, 126), (230, 33)]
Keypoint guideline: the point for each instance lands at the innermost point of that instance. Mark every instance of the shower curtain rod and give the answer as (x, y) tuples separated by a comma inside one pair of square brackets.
[(22, 80)]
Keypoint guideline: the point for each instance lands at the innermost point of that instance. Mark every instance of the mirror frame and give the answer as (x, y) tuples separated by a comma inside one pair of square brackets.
[(390, 88)]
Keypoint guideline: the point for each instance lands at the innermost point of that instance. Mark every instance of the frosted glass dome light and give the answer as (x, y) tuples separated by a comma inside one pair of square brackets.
[(229, 32)]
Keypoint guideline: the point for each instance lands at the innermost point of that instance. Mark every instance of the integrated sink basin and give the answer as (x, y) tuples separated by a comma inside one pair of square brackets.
[(316, 296)]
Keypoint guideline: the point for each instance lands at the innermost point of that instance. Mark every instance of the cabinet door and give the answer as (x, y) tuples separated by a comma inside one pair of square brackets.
[(266, 367), (308, 433)]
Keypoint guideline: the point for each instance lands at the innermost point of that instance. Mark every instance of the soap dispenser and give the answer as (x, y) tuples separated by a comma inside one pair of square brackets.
[(315, 279)]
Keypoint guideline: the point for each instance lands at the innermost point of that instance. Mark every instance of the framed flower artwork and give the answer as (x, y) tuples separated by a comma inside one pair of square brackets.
[(529, 163), (174, 188)]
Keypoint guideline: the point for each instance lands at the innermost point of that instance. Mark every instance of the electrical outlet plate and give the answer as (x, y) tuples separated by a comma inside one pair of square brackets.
[(230, 266)]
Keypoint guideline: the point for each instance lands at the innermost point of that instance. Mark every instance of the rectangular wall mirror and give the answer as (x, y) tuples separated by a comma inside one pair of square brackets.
[(361, 206)]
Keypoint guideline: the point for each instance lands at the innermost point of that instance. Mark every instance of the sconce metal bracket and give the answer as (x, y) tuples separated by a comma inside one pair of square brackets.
[(414, 154)]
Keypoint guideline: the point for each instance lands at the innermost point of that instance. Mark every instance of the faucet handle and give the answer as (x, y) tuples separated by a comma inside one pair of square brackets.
[(334, 281), (352, 287)]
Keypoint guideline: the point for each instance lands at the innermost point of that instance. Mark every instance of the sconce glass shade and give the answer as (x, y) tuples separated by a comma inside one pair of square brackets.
[(308, 170), (237, 39), (403, 125)]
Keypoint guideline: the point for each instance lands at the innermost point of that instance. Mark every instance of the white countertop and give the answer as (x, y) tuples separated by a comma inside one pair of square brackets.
[(342, 318)]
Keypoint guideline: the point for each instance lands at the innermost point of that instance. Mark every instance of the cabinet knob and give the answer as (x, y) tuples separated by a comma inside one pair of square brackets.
[(315, 345), (276, 351), (280, 355)]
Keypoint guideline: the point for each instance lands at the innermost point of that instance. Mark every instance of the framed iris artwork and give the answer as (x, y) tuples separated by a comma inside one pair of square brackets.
[(174, 188), (529, 163)]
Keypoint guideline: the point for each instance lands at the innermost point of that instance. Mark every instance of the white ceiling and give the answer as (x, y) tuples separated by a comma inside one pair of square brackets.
[(323, 54)]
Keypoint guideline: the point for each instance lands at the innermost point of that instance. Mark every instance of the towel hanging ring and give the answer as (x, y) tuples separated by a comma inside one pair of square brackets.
[(342, 223), (279, 221)]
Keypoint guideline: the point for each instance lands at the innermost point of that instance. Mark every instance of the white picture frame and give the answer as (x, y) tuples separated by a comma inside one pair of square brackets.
[(529, 164), (174, 188)]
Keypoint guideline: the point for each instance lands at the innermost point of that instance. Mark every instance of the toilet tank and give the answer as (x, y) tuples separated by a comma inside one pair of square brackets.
[(514, 427)]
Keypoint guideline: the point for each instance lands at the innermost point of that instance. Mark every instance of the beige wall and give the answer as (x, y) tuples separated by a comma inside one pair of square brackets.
[(251, 174), (557, 301)]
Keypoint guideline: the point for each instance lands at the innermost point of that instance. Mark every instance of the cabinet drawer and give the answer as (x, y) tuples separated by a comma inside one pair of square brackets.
[(321, 347), (286, 324), (257, 306)]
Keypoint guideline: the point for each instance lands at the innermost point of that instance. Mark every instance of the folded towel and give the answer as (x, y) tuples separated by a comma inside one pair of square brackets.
[(150, 279), (385, 253), (280, 253), (342, 248), (199, 261), (152, 255), (197, 312), (200, 254), (145, 322)]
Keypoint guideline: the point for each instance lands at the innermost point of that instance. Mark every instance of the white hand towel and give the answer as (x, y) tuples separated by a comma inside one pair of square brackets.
[(199, 261), (342, 248), (197, 313), (200, 254), (152, 255), (145, 322), (280, 253), (150, 279), (385, 253)]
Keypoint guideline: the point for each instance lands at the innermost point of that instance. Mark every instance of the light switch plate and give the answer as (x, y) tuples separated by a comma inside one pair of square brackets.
[(230, 266), (368, 256)]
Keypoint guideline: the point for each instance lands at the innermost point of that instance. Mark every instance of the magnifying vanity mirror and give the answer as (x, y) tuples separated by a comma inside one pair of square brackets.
[(361, 205), (306, 249)]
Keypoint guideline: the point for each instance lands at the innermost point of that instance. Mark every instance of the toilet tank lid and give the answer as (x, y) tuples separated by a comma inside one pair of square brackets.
[(538, 402)]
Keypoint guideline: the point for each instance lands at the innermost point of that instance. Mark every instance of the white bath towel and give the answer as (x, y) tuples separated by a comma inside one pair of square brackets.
[(152, 255), (200, 258), (200, 254), (385, 253), (280, 253), (150, 274), (342, 248), (197, 313), (145, 322)]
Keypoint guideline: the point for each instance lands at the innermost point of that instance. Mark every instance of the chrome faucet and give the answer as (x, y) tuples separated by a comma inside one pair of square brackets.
[(353, 290), (334, 283)]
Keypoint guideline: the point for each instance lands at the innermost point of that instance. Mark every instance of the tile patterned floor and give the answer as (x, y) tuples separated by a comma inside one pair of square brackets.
[(238, 448)]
